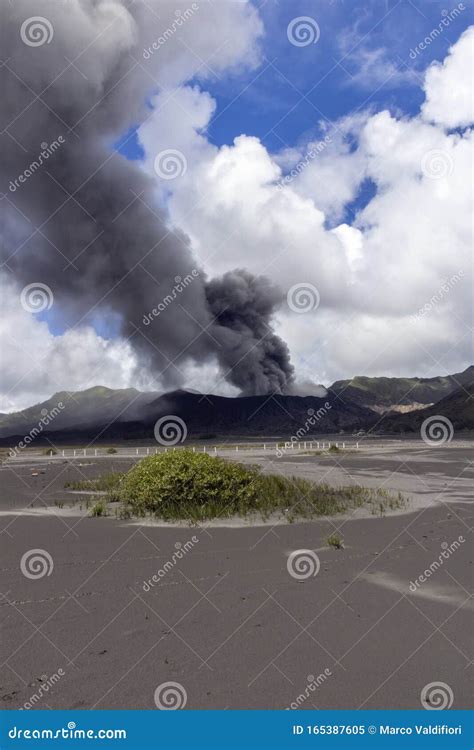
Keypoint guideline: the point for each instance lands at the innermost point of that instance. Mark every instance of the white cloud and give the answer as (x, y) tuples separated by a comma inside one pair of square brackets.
[(205, 45), (36, 364), (448, 87), (372, 67)]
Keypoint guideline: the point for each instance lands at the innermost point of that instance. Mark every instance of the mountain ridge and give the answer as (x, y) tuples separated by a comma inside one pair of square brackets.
[(384, 394), (128, 413)]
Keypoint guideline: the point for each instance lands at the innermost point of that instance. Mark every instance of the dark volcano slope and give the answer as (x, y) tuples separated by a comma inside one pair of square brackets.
[(208, 416)]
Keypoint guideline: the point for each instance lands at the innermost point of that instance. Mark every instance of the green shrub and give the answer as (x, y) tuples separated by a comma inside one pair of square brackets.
[(111, 450), (178, 483)]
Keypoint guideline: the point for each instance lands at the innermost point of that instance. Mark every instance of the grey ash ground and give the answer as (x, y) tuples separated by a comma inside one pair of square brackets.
[(227, 621)]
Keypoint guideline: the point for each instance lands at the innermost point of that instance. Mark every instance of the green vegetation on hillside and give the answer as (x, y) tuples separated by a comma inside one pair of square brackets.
[(75, 409), (389, 391)]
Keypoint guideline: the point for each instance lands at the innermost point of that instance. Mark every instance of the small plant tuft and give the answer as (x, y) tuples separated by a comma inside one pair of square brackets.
[(98, 509), (104, 483), (335, 541)]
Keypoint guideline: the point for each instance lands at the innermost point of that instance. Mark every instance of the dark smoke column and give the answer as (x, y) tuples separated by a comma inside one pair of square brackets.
[(253, 357), (85, 222)]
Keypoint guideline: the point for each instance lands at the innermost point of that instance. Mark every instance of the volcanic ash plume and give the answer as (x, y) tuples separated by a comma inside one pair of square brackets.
[(84, 219), (256, 359)]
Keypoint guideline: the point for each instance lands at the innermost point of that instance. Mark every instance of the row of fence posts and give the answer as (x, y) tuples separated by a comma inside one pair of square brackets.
[(285, 446)]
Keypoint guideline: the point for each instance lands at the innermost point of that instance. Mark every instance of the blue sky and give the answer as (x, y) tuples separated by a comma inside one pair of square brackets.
[(297, 85), (295, 88)]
